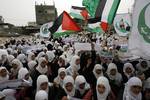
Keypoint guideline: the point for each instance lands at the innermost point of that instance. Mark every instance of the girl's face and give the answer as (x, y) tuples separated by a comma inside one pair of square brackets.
[(43, 64), (101, 88), (113, 72), (136, 89), (26, 76), (98, 71), (15, 66), (3, 72), (44, 86), (81, 86), (33, 57), (77, 61), (128, 70), (62, 75), (69, 87)]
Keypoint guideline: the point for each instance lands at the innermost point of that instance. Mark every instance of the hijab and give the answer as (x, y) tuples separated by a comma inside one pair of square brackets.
[(50, 56), (96, 67), (69, 79), (22, 58), (31, 64), (73, 66), (58, 80), (30, 56), (22, 73), (128, 65), (41, 95), (41, 79), (39, 68), (103, 81), (6, 77), (128, 94), (80, 80), (117, 76)]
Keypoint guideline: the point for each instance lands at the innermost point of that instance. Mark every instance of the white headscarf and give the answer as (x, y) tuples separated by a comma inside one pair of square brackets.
[(19, 65), (21, 74), (128, 95), (116, 77), (10, 58), (31, 64), (80, 80), (41, 54), (22, 58), (41, 79), (64, 58), (96, 67), (9, 94), (58, 80), (73, 67), (50, 56), (103, 81), (30, 56), (6, 77), (140, 68), (128, 65), (39, 68), (69, 79), (41, 95)]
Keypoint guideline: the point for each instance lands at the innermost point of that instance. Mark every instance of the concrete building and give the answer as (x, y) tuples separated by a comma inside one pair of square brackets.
[(45, 13)]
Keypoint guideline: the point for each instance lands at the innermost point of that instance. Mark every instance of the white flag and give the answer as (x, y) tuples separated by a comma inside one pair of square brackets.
[(139, 40)]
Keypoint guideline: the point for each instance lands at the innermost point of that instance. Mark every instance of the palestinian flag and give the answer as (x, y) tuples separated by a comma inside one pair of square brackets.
[(104, 9), (79, 12), (64, 23)]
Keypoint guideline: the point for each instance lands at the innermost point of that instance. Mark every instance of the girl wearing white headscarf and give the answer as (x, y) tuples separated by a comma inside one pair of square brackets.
[(41, 95), (61, 75), (4, 74), (10, 58), (128, 71), (41, 54), (23, 59), (98, 71), (42, 67), (42, 83), (81, 86), (68, 85), (16, 65), (24, 74), (113, 74), (39, 70), (102, 93), (31, 56), (50, 56), (133, 89), (31, 65), (74, 65)]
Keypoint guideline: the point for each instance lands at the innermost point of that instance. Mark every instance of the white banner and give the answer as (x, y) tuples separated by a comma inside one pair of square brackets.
[(139, 40), (44, 30), (122, 24)]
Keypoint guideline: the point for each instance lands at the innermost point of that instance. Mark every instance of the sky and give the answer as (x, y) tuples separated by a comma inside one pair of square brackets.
[(20, 12)]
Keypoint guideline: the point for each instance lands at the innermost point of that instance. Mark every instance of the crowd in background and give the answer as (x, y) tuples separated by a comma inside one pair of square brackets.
[(59, 72)]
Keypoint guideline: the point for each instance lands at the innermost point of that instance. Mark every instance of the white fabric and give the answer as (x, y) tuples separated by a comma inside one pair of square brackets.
[(96, 67), (41, 79), (6, 77), (128, 65), (128, 94), (39, 68), (80, 80), (9, 94), (69, 79), (50, 56), (73, 66), (117, 77), (30, 56), (31, 64), (21, 74), (22, 58), (41, 54), (103, 81), (10, 58), (58, 80), (41, 95)]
